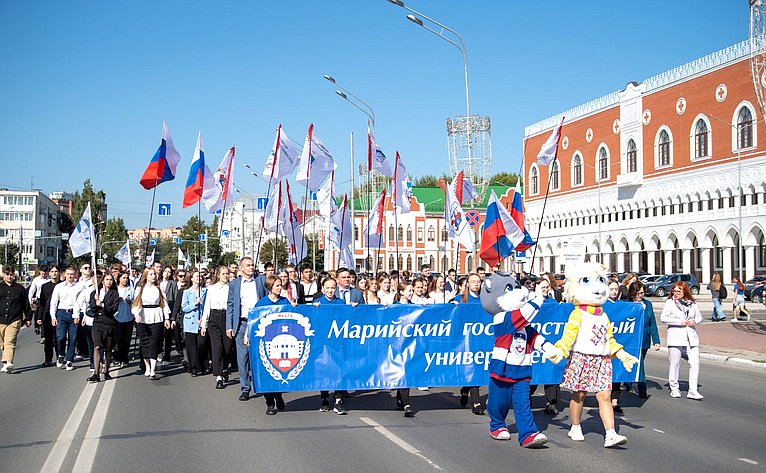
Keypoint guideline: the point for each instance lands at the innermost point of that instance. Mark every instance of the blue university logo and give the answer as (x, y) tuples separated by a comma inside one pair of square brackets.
[(285, 345)]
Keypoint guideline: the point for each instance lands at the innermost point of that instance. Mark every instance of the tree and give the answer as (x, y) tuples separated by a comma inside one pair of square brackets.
[(97, 200), (426, 181), (114, 235), (504, 178), (310, 252), (191, 246), (9, 255), (267, 252)]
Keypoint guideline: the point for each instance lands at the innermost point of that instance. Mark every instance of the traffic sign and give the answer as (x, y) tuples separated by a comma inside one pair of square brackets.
[(163, 209), (473, 217), (521, 254), (100, 262), (225, 232), (25, 260), (152, 242), (262, 202), (178, 240), (201, 237)]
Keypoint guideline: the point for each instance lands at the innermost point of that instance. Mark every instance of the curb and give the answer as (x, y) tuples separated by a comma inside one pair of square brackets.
[(728, 360)]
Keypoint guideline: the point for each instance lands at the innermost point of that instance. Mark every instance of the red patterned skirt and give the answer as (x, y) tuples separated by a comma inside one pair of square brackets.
[(588, 373)]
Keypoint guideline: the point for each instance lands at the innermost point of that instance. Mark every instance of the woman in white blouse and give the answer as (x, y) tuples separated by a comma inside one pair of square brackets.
[(214, 323), (682, 315), (151, 312)]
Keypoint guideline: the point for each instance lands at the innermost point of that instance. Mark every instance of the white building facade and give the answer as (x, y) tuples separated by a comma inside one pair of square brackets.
[(30, 218)]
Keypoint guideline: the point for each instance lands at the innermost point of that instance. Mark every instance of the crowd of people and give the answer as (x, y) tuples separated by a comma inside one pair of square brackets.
[(202, 315)]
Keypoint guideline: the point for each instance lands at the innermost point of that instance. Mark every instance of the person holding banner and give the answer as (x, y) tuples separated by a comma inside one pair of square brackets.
[(192, 303), (273, 284), (345, 291), (151, 312), (436, 291), (328, 293), (404, 295), (471, 296), (385, 295), (328, 297), (651, 333), (552, 391)]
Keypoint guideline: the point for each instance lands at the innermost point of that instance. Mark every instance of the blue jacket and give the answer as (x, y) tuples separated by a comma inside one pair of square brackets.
[(325, 300), (265, 301), (191, 310), (651, 333), (234, 305), (355, 295)]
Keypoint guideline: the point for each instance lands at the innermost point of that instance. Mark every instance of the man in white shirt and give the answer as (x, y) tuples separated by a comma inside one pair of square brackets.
[(63, 303), (37, 283), (84, 340)]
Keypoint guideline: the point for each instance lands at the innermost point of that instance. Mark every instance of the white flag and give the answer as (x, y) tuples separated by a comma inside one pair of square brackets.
[(375, 158), (219, 187), (83, 239), (455, 218), (341, 232), (373, 233), (347, 258), (401, 187), (463, 188), (181, 256), (550, 148), (273, 208), (316, 162), (123, 254), (283, 159), (325, 198), (150, 258)]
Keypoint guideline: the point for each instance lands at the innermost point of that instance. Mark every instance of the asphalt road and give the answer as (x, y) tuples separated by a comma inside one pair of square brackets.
[(53, 421)]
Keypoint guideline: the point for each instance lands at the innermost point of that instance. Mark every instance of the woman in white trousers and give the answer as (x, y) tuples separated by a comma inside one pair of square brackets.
[(682, 315)]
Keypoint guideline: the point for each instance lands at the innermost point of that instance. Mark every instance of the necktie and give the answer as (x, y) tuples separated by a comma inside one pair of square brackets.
[(290, 291), (345, 296)]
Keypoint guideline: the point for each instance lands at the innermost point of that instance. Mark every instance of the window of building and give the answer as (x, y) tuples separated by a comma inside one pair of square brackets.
[(420, 235), (576, 170), (356, 232), (555, 175), (444, 234), (632, 156), (409, 262), (710, 204), (720, 202), (754, 200), (663, 149), (391, 233), (691, 207), (742, 200), (409, 233), (646, 212), (701, 134), (672, 209), (400, 233), (654, 212), (431, 233), (533, 185), (603, 164), (731, 202), (744, 128)]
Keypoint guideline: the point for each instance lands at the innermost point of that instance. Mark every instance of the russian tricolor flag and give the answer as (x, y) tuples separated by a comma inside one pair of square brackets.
[(162, 167), (196, 181), (517, 214), (500, 235)]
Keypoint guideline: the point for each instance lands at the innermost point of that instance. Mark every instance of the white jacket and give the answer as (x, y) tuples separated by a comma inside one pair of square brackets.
[(678, 334)]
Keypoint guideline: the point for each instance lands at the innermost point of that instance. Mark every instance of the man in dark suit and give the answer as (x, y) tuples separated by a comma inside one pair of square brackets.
[(44, 316), (345, 292), (244, 293)]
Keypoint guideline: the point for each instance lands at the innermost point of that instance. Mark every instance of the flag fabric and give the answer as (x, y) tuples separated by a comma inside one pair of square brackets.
[(517, 214), (341, 232), (219, 187), (181, 256), (273, 209), (195, 183), (500, 235), (550, 148), (325, 198), (123, 254), (401, 187), (162, 167), (316, 162), (373, 233), (375, 158), (346, 258), (283, 160), (150, 258), (296, 242), (464, 190), (370, 147), (83, 238), (459, 229)]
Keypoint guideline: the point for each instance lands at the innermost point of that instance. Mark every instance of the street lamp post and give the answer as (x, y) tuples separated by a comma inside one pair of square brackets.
[(252, 221)]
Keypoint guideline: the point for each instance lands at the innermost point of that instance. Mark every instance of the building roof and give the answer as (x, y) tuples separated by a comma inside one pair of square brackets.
[(433, 198)]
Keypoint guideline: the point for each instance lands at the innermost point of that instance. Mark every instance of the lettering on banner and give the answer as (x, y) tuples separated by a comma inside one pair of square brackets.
[(393, 330), (549, 328), (458, 358), (626, 326), (478, 328)]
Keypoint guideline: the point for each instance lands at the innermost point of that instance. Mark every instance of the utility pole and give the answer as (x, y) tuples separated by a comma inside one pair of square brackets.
[(21, 249)]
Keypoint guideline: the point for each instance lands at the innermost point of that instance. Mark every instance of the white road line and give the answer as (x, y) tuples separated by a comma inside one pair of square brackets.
[(658, 430), (398, 441), (64, 441), (747, 460), (84, 462)]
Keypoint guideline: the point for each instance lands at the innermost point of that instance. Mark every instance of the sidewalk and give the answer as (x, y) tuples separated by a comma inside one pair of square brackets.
[(734, 343)]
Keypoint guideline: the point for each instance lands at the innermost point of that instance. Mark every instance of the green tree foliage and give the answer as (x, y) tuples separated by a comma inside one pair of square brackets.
[(191, 246), (505, 178), (113, 237), (97, 200), (9, 255), (426, 181), (310, 252), (267, 252)]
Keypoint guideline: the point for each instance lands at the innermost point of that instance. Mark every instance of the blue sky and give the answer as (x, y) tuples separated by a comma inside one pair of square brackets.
[(86, 85)]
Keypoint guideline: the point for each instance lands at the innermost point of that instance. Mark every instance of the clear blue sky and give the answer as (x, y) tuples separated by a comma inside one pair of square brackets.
[(86, 85)]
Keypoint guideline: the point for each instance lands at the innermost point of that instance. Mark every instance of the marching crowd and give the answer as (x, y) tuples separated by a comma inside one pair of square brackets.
[(203, 316)]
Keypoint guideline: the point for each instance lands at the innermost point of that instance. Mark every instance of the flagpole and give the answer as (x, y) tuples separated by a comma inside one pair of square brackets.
[(547, 190), (151, 215), (308, 182), (342, 225), (199, 228)]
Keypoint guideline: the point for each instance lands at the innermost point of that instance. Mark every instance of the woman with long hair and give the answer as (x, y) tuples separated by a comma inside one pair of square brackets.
[(629, 279), (151, 313), (192, 303), (170, 289), (651, 333), (714, 286), (371, 294), (682, 315), (213, 324), (436, 292), (385, 295), (404, 295), (104, 304), (471, 296), (123, 331), (739, 299)]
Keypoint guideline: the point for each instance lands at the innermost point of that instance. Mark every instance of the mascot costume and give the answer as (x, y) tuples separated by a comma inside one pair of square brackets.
[(510, 369), (589, 345)]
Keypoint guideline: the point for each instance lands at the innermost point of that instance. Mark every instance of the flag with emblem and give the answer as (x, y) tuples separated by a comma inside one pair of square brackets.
[(218, 190), (456, 221), (401, 187), (283, 159), (373, 233), (341, 232)]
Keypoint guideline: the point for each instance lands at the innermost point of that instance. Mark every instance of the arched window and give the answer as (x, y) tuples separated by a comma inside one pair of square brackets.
[(603, 164), (356, 232), (632, 156), (469, 264), (409, 233), (409, 262), (390, 263), (533, 189), (576, 170), (663, 149), (400, 262), (445, 263), (744, 128), (431, 261), (400, 233), (555, 175), (391, 233), (431, 233), (701, 133)]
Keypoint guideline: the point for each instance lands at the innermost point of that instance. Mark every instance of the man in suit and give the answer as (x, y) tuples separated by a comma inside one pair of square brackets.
[(295, 288), (244, 293), (346, 293)]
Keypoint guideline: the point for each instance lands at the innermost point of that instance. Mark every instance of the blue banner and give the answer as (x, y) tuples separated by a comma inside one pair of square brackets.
[(308, 348)]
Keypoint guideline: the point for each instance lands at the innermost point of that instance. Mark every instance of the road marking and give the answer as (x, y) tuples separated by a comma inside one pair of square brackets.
[(398, 441), (84, 462), (64, 441), (658, 430), (747, 460)]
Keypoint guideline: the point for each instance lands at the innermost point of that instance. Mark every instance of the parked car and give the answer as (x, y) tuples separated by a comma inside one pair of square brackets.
[(661, 287), (757, 295), (560, 280), (753, 283), (649, 278)]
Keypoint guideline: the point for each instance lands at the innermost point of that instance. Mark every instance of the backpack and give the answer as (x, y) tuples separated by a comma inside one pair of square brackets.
[(722, 293)]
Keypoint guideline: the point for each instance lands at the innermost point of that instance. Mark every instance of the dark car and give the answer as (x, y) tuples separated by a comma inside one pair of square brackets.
[(757, 295), (661, 287), (752, 284)]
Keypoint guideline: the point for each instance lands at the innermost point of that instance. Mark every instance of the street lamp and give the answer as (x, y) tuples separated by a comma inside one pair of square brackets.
[(255, 174), (370, 115), (252, 208)]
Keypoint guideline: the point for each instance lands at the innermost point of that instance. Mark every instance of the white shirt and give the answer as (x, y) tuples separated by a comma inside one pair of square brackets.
[(420, 300), (150, 295), (439, 297), (81, 308), (64, 297), (386, 298), (248, 296), (34, 288), (216, 299), (309, 289)]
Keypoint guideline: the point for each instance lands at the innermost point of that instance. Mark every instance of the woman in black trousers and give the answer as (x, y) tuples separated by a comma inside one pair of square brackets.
[(214, 324)]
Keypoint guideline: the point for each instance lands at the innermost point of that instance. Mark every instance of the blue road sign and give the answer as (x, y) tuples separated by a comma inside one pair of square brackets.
[(521, 254), (178, 240), (225, 232), (152, 242), (314, 196), (163, 210), (202, 237), (262, 202)]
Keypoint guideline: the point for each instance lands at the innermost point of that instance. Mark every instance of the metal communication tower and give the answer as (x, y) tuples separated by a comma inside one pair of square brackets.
[(470, 149), (758, 51)]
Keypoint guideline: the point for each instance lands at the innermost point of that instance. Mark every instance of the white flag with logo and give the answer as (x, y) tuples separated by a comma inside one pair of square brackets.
[(459, 229), (284, 158), (346, 258), (83, 239), (341, 232), (373, 233), (375, 158), (325, 199), (219, 188), (401, 187), (550, 148), (150, 258), (316, 162), (123, 254)]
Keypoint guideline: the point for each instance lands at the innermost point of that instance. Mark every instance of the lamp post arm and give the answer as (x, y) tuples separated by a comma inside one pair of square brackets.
[(370, 114)]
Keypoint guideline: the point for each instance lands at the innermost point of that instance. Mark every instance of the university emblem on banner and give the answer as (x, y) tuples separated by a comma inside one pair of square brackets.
[(456, 217), (285, 345)]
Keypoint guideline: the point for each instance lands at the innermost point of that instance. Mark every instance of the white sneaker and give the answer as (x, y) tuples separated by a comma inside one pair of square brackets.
[(575, 433), (8, 368), (164, 363), (424, 389), (60, 362), (691, 395), (614, 439), (675, 393), (78, 358), (4, 369), (69, 366)]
